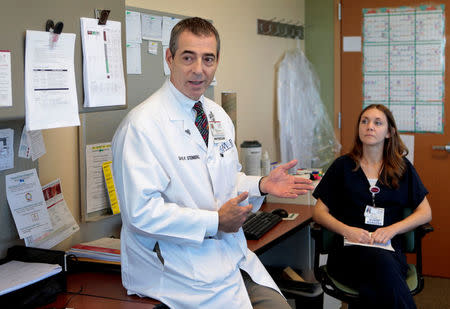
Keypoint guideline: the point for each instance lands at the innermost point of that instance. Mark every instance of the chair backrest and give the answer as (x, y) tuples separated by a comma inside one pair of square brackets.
[(409, 241), (327, 240)]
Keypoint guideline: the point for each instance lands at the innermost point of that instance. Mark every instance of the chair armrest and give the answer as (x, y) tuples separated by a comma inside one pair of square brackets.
[(316, 234), (323, 238), (421, 231), (316, 230), (424, 229)]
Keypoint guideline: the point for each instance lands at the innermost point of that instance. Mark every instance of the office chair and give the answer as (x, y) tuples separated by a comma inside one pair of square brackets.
[(323, 242)]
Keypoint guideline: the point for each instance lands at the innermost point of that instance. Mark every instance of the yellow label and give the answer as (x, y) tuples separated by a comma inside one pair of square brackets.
[(110, 187)]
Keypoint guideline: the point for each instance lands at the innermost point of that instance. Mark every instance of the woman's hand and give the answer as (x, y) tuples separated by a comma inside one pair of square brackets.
[(384, 234), (356, 234)]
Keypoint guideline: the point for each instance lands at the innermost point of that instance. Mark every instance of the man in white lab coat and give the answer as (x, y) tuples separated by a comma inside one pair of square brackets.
[(182, 197)]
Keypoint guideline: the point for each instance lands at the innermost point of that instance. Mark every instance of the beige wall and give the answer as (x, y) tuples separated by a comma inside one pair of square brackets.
[(247, 67)]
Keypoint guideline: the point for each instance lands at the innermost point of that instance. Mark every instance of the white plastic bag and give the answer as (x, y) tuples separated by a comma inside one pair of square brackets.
[(306, 133)]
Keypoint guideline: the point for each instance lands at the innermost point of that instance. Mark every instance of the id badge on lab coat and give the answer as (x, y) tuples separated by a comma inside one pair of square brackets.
[(217, 131), (374, 215)]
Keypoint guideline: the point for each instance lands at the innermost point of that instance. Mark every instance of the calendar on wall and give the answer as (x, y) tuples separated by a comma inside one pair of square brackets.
[(404, 64)]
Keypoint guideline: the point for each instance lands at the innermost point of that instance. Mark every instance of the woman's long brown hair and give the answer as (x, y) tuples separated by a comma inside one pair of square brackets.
[(394, 150)]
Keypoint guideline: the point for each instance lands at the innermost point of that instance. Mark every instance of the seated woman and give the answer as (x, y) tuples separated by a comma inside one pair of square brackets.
[(362, 197)]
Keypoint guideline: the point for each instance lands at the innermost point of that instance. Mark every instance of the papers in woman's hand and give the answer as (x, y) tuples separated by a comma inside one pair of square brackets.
[(387, 246)]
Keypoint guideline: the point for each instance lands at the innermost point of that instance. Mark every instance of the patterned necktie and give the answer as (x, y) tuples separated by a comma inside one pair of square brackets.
[(201, 122)]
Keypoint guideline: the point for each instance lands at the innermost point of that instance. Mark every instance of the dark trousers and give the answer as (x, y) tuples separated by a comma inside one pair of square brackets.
[(378, 274)]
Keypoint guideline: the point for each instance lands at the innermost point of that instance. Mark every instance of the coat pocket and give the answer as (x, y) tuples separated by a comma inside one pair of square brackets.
[(210, 262)]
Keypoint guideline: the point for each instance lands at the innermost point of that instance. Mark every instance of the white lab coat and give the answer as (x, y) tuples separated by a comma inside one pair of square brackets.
[(170, 186)]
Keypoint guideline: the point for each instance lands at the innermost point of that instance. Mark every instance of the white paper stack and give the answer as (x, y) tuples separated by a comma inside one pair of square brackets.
[(15, 275)]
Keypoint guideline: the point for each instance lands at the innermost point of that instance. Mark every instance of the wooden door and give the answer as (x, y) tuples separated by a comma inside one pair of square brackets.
[(433, 166)]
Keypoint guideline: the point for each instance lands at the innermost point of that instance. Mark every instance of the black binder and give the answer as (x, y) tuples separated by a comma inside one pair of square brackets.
[(42, 292)]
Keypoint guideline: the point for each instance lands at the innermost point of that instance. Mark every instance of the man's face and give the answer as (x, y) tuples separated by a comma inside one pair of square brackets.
[(195, 62)]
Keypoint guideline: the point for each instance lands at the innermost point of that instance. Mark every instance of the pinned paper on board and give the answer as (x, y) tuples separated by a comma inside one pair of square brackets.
[(103, 75), (167, 24), (63, 223), (134, 65), (133, 27), (50, 88), (27, 204), (5, 78), (6, 149), (151, 27), (152, 47), (96, 194), (31, 144)]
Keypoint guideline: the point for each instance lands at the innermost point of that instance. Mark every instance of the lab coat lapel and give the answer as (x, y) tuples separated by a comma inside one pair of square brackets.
[(182, 121), (188, 129)]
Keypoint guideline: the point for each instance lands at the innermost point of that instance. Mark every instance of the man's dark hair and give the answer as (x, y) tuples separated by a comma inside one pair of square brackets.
[(197, 26)]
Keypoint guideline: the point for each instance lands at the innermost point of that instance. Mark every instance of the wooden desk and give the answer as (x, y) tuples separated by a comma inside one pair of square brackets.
[(283, 229), (101, 290)]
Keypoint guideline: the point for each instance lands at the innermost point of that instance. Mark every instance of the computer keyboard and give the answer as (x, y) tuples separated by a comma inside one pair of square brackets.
[(259, 223)]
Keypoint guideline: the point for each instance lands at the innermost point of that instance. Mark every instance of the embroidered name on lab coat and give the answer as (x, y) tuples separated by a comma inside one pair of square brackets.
[(194, 157), (225, 146)]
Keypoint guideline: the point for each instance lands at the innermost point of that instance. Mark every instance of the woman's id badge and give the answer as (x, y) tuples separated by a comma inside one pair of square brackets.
[(374, 215)]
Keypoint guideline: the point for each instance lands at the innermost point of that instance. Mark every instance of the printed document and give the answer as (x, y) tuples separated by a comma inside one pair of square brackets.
[(151, 27), (103, 76), (96, 194), (5, 78), (134, 65), (15, 274), (62, 220), (6, 149), (27, 204), (152, 48), (167, 24), (50, 90), (24, 146), (31, 144), (387, 246), (133, 27)]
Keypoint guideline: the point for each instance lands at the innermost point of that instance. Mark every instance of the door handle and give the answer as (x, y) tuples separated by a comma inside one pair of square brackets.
[(446, 147)]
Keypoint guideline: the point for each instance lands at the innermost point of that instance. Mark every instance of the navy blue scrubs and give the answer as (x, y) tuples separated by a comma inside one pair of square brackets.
[(377, 273)]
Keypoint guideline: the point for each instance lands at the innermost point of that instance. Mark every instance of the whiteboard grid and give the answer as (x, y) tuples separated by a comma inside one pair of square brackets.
[(403, 54)]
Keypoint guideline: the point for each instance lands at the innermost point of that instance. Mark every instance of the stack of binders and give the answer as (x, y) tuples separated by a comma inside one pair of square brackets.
[(103, 250)]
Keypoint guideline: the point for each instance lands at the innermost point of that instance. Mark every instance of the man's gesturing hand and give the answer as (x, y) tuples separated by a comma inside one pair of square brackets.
[(232, 216), (281, 184)]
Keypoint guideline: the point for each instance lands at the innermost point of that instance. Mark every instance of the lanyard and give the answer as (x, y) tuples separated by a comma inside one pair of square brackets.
[(374, 190)]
